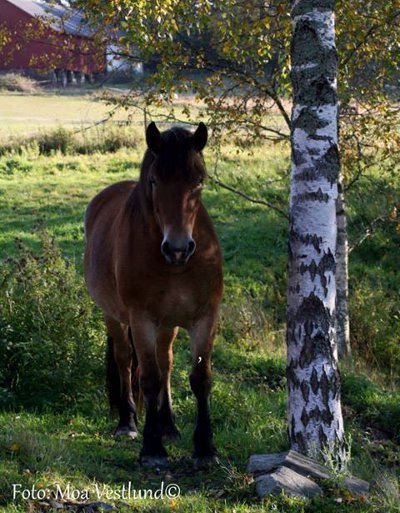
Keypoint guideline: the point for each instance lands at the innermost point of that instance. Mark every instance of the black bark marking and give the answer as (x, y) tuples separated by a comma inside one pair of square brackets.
[(308, 239), (300, 442), (329, 164), (305, 419), (309, 121), (305, 390), (293, 429), (316, 320), (320, 88), (291, 375), (325, 386), (314, 381), (326, 264), (312, 196), (305, 45), (298, 157), (306, 175), (324, 416)]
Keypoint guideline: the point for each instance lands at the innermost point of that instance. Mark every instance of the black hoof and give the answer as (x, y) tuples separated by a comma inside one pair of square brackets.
[(126, 431), (153, 461), (171, 434), (205, 462)]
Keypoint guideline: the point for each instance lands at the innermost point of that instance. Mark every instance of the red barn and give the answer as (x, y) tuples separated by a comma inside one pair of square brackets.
[(41, 37)]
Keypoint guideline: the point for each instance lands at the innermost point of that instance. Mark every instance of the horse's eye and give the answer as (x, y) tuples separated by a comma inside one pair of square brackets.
[(200, 182), (153, 182)]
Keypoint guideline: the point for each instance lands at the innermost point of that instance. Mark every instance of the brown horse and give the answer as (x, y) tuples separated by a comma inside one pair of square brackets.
[(153, 264)]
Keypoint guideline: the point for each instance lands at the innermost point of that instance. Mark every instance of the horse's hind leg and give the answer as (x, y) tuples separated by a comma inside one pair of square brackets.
[(120, 382), (166, 415), (144, 334), (202, 336)]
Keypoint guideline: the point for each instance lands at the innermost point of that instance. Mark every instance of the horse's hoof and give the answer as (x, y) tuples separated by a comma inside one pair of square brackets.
[(205, 462), (126, 431), (171, 435), (153, 461)]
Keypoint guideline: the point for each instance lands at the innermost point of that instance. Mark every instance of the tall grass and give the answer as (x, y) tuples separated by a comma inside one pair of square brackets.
[(102, 139)]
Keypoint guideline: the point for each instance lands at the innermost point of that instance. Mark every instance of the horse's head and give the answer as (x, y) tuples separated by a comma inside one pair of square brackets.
[(174, 180)]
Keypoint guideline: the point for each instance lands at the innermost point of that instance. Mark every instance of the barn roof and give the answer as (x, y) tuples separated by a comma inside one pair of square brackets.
[(62, 19)]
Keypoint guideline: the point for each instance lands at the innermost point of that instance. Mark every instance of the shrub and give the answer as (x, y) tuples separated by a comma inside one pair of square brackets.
[(108, 140), (60, 139), (19, 83), (50, 345)]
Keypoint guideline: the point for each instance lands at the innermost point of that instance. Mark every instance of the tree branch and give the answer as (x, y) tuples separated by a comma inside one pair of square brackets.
[(249, 198)]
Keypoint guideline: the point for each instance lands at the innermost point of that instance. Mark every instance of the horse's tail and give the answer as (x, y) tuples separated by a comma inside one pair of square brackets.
[(135, 373), (113, 380)]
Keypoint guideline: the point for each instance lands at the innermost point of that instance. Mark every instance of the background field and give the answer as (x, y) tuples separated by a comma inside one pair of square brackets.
[(54, 423)]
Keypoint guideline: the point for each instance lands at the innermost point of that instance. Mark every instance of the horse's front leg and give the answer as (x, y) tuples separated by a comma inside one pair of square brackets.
[(202, 336), (144, 333), (166, 415)]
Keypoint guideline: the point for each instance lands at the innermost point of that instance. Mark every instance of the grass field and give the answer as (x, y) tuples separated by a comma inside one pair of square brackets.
[(55, 427)]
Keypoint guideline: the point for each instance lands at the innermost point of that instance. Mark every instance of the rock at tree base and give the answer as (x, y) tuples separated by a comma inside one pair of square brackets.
[(264, 466), (286, 480)]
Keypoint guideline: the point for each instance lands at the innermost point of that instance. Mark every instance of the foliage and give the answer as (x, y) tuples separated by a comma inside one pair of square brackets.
[(242, 51), (19, 83), (51, 351), (106, 139)]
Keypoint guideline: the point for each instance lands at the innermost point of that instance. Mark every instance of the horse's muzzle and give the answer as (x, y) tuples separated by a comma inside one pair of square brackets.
[(178, 254)]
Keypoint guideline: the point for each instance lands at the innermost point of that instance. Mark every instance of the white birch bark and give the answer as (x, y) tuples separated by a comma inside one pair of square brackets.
[(314, 407), (342, 278)]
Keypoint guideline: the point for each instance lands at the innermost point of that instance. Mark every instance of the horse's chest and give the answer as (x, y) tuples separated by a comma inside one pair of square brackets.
[(177, 305)]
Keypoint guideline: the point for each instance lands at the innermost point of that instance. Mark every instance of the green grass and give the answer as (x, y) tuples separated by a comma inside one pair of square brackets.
[(46, 443)]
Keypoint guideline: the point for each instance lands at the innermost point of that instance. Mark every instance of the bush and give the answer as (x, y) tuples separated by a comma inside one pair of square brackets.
[(68, 142), (19, 83), (50, 345), (60, 139)]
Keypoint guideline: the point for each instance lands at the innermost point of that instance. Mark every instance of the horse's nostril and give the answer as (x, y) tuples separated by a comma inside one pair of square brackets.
[(191, 247), (165, 248)]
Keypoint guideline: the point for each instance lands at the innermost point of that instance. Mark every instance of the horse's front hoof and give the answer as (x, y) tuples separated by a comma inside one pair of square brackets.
[(153, 461), (126, 431), (205, 462)]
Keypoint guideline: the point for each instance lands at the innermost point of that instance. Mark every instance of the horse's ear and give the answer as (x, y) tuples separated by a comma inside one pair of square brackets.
[(199, 138), (153, 138)]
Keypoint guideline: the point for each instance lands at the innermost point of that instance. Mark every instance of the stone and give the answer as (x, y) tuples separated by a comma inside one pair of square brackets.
[(288, 481), (302, 466), (263, 463)]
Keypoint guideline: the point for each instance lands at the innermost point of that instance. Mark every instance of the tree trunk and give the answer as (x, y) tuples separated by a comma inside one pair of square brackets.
[(342, 278), (314, 407)]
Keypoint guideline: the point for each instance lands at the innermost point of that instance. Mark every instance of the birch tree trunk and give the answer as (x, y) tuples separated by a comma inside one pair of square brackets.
[(314, 407), (342, 278)]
